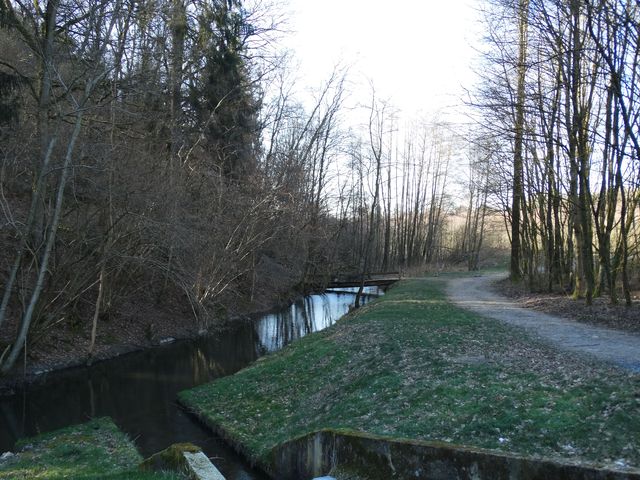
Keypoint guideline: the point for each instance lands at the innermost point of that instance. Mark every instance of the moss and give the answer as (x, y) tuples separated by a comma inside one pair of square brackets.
[(170, 459), (93, 450)]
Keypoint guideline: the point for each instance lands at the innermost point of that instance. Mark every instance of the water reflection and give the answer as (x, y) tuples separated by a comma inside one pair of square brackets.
[(309, 314), (139, 390)]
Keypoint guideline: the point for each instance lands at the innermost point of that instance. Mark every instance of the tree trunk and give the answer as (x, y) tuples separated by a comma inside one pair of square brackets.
[(21, 338), (518, 189)]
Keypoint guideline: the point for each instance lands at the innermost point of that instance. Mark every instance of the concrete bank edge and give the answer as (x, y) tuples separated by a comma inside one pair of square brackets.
[(375, 456), (233, 442)]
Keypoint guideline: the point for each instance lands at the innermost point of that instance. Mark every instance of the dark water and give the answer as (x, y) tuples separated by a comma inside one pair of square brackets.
[(139, 390)]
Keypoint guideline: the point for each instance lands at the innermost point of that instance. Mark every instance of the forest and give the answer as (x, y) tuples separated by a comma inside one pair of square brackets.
[(155, 152), (558, 108)]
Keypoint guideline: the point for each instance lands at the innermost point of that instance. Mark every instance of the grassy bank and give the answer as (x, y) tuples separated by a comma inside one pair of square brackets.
[(412, 365), (94, 450)]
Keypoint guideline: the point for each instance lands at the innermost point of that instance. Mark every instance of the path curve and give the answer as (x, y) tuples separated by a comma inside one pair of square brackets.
[(476, 294)]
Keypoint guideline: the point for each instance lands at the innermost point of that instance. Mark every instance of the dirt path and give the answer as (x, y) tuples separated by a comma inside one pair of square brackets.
[(476, 294)]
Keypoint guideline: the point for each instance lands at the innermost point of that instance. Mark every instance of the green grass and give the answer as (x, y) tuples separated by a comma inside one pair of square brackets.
[(411, 365), (93, 450)]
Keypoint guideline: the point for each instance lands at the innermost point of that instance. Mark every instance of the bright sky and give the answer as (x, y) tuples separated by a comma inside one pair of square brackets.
[(417, 53)]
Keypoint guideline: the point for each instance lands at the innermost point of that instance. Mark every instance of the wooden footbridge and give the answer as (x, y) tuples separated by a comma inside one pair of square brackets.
[(380, 279)]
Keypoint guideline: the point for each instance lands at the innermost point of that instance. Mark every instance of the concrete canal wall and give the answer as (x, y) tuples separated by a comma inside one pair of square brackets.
[(376, 458)]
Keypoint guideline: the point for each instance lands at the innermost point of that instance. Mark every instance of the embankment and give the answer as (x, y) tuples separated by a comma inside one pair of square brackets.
[(413, 366)]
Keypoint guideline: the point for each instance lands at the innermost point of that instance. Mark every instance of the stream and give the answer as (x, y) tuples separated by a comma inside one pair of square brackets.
[(139, 390)]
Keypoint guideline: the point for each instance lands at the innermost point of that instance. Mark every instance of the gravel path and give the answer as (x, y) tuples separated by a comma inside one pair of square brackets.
[(476, 294)]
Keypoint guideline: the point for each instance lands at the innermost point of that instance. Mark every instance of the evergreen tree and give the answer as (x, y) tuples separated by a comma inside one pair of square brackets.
[(223, 97)]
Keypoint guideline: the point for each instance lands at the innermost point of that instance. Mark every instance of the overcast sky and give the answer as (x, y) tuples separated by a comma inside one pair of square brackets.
[(418, 53)]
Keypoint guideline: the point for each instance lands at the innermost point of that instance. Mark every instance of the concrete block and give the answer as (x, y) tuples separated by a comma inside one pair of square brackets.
[(184, 458), (199, 467)]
